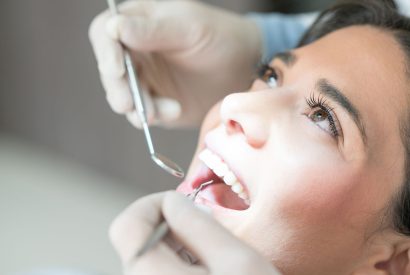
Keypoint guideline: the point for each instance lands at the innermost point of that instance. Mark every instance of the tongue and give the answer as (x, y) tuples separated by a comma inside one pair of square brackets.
[(221, 194)]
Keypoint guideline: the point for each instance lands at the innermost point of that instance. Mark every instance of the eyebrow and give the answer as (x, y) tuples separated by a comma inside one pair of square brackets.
[(289, 58), (332, 92)]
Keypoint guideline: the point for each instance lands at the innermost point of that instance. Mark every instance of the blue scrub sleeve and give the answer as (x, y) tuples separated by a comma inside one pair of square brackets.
[(280, 32)]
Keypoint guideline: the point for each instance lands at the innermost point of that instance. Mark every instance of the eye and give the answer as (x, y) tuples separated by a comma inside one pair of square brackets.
[(323, 116), (323, 120), (319, 116), (268, 74)]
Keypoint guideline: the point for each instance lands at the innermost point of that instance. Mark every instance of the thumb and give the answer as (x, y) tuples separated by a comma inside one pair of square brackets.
[(201, 234), (167, 109), (150, 34)]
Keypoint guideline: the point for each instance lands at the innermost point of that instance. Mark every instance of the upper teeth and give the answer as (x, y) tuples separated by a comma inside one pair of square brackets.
[(221, 169)]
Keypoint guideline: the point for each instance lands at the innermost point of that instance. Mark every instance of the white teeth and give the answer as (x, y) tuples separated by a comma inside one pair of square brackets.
[(205, 155), (237, 188), (230, 178), (243, 196), (221, 169)]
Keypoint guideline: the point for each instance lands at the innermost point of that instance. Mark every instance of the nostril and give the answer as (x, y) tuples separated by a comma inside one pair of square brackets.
[(254, 133), (233, 126)]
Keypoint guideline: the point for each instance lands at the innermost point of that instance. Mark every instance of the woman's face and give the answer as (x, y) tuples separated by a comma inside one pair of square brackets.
[(316, 146)]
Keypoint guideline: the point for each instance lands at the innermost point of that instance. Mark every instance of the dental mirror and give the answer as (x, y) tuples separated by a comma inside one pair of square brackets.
[(163, 162), (168, 165)]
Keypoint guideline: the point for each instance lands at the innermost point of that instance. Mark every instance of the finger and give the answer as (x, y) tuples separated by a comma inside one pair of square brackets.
[(134, 119), (118, 94), (150, 33), (201, 234), (135, 223), (161, 109), (131, 229), (108, 52), (162, 260), (134, 116), (121, 100), (167, 109)]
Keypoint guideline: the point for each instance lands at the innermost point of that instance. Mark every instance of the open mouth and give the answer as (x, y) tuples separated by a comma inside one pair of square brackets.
[(226, 191)]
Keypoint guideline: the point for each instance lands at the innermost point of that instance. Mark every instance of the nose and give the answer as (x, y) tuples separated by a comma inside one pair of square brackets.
[(250, 115)]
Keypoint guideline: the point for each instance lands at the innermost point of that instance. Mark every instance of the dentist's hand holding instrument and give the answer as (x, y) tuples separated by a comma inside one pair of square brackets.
[(186, 54), (218, 251), (139, 107)]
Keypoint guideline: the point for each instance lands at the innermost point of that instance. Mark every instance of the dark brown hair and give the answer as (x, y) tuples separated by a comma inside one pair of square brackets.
[(384, 15)]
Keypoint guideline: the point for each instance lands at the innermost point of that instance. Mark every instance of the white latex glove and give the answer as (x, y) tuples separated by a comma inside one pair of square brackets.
[(217, 249), (189, 56)]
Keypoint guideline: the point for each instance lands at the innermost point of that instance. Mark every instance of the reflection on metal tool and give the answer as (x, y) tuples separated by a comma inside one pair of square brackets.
[(163, 162), (162, 229)]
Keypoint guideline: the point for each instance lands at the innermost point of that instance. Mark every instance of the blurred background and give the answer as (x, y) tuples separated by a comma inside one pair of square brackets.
[(68, 164)]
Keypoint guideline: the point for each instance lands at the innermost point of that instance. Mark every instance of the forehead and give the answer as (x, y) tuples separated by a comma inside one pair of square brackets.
[(369, 66)]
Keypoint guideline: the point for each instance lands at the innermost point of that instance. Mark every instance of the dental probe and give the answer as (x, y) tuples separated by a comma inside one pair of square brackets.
[(163, 162), (162, 229)]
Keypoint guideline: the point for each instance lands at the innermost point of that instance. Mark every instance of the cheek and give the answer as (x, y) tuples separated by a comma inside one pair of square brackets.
[(318, 195), (211, 121), (308, 181), (308, 199)]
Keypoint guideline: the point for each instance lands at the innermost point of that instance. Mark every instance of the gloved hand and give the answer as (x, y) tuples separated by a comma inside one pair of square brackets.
[(189, 56), (218, 251)]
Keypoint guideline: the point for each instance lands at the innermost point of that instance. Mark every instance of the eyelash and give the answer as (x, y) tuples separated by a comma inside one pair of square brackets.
[(265, 72), (321, 103)]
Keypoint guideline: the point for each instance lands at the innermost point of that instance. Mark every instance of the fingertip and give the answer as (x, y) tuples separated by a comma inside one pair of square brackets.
[(178, 205), (168, 109), (124, 29), (171, 197), (117, 232), (106, 69), (120, 103), (110, 60), (133, 225), (113, 25), (114, 231), (204, 208), (94, 30), (176, 201), (133, 118)]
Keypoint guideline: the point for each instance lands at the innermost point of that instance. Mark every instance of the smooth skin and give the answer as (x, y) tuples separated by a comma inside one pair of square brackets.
[(318, 201)]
